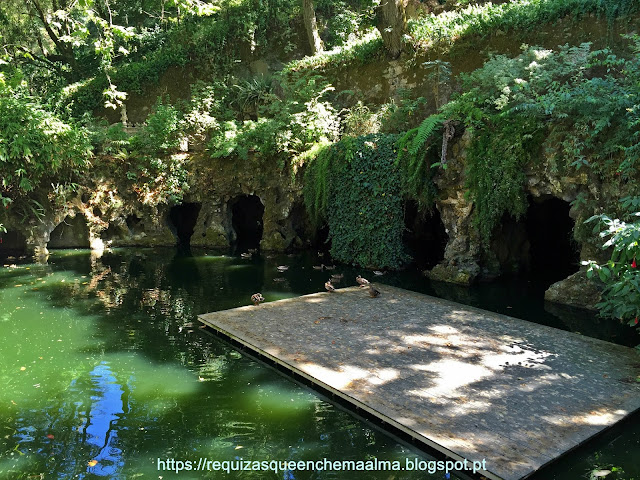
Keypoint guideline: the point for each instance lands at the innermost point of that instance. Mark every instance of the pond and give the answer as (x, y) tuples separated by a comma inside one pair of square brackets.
[(106, 374)]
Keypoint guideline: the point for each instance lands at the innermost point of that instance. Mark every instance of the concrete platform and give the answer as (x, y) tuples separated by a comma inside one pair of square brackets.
[(470, 383)]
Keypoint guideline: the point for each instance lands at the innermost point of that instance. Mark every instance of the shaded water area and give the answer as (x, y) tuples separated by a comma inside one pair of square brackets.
[(104, 370)]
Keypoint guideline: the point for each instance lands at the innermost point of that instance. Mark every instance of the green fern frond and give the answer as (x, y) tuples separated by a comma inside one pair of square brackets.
[(425, 131)]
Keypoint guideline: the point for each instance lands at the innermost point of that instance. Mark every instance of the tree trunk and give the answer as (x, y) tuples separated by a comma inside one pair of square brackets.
[(309, 14), (392, 23)]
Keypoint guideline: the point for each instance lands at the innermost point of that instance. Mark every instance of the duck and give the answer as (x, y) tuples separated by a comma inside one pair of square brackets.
[(246, 255), (373, 291), (337, 276), (363, 282), (378, 272), (257, 299), (319, 267), (329, 286), (329, 267), (282, 268)]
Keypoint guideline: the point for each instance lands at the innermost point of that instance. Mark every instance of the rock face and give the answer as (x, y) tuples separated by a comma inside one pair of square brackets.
[(237, 203), (576, 290), (227, 203), (544, 238), (461, 262)]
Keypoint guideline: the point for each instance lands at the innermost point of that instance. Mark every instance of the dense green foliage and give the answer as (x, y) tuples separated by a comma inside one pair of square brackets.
[(286, 124), (38, 151), (355, 186), (153, 169), (620, 275), (359, 51), (576, 106), (516, 15)]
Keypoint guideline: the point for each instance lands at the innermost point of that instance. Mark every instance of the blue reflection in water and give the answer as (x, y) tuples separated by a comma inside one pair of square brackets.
[(107, 406)]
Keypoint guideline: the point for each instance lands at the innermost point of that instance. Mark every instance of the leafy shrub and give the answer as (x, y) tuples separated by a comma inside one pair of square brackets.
[(404, 115), (161, 133), (288, 124), (37, 149), (488, 18), (620, 275)]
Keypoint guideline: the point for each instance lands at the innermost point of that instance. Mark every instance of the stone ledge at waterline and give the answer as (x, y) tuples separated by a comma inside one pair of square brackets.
[(470, 383)]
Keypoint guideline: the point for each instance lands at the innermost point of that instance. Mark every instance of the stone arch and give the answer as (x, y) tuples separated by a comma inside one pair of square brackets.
[(539, 244), (554, 254), (302, 231)]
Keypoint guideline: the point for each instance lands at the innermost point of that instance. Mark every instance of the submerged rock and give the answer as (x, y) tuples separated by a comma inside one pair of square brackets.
[(576, 290)]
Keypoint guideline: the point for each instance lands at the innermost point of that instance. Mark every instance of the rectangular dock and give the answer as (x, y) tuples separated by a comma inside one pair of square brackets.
[(470, 383)]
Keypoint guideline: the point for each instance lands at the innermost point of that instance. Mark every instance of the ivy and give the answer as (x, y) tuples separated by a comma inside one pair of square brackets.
[(495, 176), (355, 186)]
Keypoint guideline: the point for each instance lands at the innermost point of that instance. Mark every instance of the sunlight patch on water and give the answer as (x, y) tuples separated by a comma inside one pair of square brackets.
[(279, 399), (272, 296), (149, 379)]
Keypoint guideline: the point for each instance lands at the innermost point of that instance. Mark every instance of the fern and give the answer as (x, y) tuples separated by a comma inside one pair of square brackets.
[(424, 132), (414, 172)]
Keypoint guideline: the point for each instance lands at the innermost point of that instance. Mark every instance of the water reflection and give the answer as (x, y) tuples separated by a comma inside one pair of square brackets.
[(117, 372), (101, 430)]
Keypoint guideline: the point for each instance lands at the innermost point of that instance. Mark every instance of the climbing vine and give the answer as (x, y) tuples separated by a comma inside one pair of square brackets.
[(354, 185)]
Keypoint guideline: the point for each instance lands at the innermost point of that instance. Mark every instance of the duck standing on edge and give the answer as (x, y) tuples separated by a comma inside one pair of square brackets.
[(363, 282), (373, 291), (257, 299), (329, 286)]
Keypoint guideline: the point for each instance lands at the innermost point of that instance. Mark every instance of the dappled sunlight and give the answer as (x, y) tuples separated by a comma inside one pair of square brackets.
[(468, 380), (337, 379), (600, 417), (314, 299), (516, 355), (451, 376)]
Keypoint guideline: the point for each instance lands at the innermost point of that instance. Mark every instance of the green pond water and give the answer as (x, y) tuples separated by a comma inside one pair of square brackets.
[(104, 372)]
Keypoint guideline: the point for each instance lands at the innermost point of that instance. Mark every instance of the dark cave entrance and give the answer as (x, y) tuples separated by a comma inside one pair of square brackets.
[(554, 254), (12, 243), (321, 239), (71, 233), (425, 235), (246, 220), (182, 221), (539, 245), (299, 221)]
